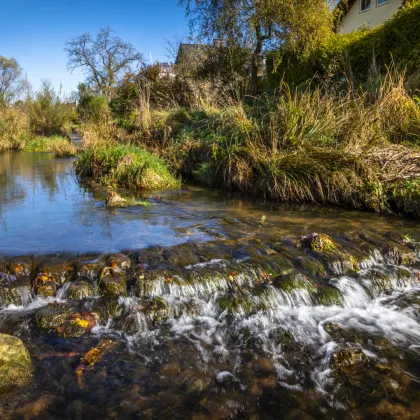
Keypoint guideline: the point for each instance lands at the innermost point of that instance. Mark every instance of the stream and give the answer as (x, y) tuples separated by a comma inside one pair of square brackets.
[(205, 304)]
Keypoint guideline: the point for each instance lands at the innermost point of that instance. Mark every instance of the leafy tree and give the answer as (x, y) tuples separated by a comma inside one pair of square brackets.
[(11, 82), (103, 59), (258, 24)]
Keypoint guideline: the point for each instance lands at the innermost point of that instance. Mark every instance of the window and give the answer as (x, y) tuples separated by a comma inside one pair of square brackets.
[(381, 2), (365, 5)]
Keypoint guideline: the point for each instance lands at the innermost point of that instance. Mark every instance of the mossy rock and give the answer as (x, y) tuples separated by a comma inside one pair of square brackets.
[(80, 289), (16, 369), (331, 253), (17, 293), (106, 308), (90, 268), (120, 261), (46, 289), (61, 271), (235, 304), (21, 267), (182, 255), (311, 266), (52, 316), (345, 359), (399, 254), (294, 281), (112, 283), (338, 333), (328, 296)]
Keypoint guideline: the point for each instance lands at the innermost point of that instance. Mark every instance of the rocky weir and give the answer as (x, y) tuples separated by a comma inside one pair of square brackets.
[(296, 327)]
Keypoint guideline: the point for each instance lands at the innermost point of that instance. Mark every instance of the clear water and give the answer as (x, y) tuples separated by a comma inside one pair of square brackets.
[(43, 209), (209, 339)]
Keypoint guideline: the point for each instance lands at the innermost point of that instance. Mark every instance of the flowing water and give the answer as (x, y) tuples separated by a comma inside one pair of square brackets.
[(205, 304)]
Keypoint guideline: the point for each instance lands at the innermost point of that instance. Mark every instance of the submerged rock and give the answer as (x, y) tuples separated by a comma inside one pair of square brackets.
[(347, 358), (15, 364), (16, 293), (77, 324), (52, 316)]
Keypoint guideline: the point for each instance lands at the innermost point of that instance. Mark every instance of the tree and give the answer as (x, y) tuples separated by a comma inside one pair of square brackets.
[(257, 24), (103, 59), (11, 81)]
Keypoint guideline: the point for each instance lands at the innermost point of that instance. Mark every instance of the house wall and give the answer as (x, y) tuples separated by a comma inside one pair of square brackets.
[(372, 17)]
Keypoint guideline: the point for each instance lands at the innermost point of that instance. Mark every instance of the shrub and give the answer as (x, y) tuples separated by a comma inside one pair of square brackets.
[(357, 55), (14, 129)]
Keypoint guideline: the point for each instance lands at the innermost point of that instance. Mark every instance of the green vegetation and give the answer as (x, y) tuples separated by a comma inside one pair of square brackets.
[(338, 123), (60, 146), (126, 166), (359, 55)]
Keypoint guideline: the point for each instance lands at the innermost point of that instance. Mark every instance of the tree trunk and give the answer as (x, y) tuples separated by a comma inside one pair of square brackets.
[(253, 87)]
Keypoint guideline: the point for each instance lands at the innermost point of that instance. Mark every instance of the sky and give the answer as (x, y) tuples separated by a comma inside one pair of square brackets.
[(34, 31)]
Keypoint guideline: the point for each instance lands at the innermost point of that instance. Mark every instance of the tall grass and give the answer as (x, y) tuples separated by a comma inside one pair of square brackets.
[(126, 166), (61, 147)]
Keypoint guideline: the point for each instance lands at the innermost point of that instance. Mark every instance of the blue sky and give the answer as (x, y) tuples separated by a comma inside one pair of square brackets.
[(34, 31)]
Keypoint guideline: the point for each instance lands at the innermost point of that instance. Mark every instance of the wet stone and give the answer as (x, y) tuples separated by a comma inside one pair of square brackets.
[(20, 267), (347, 358), (311, 266), (182, 255), (80, 289), (112, 282), (328, 295), (15, 364), (45, 285), (295, 281), (52, 316), (61, 271), (120, 261), (17, 293), (90, 268), (77, 324)]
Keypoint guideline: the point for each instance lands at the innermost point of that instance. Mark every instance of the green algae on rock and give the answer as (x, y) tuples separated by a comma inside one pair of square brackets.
[(15, 364), (112, 282), (80, 289)]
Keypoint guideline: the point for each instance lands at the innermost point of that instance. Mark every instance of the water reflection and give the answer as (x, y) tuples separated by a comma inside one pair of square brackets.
[(44, 209)]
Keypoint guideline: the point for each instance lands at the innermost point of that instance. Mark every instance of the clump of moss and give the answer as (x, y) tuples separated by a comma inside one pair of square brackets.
[(321, 242), (125, 166)]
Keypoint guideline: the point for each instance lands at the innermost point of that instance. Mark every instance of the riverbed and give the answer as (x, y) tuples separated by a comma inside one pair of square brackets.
[(205, 304)]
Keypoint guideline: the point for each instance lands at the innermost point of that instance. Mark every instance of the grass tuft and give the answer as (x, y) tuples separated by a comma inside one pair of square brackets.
[(125, 166)]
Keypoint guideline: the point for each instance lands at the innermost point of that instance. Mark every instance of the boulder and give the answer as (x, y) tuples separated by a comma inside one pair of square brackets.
[(80, 289), (61, 271), (15, 364), (112, 282)]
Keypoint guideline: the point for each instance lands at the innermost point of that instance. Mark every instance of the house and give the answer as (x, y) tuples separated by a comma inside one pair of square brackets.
[(370, 13), (166, 70)]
